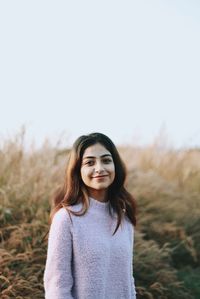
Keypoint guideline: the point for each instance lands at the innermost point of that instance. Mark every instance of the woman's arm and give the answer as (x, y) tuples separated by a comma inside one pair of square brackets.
[(133, 280), (58, 279), (133, 289)]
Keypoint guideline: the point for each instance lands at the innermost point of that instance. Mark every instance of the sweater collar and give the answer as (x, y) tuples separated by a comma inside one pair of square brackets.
[(98, 204)]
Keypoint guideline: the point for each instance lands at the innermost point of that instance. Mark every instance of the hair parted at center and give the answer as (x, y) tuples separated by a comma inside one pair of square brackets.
[(73, 190)]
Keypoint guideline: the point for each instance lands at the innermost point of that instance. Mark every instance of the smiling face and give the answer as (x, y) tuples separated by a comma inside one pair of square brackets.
[(97, 171)]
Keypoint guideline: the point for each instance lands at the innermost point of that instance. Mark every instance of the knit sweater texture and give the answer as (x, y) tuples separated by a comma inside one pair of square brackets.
[(84, 260)]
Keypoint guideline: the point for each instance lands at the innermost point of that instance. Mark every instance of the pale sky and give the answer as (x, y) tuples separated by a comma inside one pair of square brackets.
[(123, 68)]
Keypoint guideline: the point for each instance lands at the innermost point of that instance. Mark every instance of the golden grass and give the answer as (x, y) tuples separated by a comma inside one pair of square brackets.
[(166, 184)]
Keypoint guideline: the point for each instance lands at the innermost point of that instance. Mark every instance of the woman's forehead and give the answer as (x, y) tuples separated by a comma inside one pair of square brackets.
[(96, 150)]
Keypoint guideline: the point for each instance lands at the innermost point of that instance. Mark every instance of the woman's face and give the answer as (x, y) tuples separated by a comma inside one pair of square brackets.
[(97, 170)]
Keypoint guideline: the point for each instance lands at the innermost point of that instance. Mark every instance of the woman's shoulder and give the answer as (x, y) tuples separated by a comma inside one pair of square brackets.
[(60, 216), (63, 214)]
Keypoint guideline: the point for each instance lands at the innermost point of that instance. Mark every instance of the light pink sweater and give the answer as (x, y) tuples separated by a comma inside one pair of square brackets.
[(84, 260)]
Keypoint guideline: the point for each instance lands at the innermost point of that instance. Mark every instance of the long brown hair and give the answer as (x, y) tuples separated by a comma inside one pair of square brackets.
[(74, 191)]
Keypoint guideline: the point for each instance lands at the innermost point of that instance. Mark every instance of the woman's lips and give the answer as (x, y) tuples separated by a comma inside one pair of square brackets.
[(99, 176)]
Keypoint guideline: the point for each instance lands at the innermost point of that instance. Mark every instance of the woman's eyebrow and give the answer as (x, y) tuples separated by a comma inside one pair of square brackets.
[(92, 157)]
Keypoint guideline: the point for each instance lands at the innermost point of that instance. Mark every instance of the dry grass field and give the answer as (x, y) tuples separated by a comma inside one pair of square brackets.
[(166, 185)]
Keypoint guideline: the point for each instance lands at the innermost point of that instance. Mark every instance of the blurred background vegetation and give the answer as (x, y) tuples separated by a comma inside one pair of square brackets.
[(166, 185)]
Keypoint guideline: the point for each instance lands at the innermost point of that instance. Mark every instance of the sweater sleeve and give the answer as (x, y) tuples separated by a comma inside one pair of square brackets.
[(133, 280), (133, 288), (58, 279)]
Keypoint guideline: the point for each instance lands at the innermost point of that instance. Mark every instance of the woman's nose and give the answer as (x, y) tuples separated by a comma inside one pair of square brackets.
[(99, 168)]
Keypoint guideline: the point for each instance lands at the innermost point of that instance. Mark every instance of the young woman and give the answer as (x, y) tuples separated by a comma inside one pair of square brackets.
[(90, 244)]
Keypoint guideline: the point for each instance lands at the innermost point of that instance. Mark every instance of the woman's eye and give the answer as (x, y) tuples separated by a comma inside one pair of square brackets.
[(90, 163), (107, 161)]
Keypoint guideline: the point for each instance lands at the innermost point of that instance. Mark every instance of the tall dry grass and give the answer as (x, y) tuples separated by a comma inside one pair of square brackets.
[(166, 185)]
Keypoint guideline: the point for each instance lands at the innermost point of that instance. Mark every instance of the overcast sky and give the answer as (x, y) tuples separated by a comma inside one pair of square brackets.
[(124, 68)]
